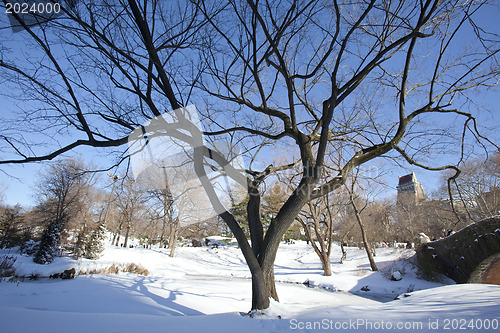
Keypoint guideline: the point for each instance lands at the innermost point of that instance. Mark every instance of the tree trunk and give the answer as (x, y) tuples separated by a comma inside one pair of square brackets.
[(117, 235), (323, 254), (260, 296), (261, 255), (172, 242), (325, 263), (264, 284), (344, 252), (162, 235), (126, 236), (263, 289), (369, 253), (271, 284), (373, 265)]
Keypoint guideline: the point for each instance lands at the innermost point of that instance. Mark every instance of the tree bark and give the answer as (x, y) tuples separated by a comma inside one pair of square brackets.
[(325, 263), (172, 242), (264, 285), (373, 265), (260, 295), (117, 234), (126, 236), (162, 235), (344, 252)]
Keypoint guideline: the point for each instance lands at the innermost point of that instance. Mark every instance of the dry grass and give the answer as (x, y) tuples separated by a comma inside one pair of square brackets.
[(116, 269)]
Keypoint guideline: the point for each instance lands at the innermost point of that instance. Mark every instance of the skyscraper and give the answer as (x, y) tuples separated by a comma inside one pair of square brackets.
[(410, 189)]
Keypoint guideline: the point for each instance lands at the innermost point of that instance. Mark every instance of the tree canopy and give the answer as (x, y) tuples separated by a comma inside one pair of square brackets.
[(315, 79)]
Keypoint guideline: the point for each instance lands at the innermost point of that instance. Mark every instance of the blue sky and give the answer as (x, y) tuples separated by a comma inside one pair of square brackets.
[(18, 181)]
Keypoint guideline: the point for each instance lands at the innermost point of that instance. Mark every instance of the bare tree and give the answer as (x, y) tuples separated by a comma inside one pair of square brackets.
[(130, 204), (60, 190), (297, 71), (86, 216), (163, 210), (318, 220), (379, 221), (436, 218), (345, 231), (357, 213), (289, 72), (479, 187)]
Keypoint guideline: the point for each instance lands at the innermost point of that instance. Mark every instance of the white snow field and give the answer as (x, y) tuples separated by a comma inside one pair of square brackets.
[(206, 290)]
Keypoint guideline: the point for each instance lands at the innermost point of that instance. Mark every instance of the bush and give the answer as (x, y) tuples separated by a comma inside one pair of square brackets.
[(49, 244), (95, 244), (403, 265), (136, 269), (7, 266), (29, 248), (117, 269)]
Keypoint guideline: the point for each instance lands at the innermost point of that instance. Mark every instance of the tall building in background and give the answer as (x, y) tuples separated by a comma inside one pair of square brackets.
[(410, 189)]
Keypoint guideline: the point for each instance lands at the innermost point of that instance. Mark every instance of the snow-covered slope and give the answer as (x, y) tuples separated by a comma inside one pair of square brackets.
[(204, 290)]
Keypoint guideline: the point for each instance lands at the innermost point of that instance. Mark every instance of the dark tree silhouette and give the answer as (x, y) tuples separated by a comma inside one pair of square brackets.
[(264, 73)]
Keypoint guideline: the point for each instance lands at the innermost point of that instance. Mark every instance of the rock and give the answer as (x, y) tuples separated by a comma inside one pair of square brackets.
[(212, 243), (196, 242), (68, 274), (459, 255), (402, 296), (365, 288), (396, 276)]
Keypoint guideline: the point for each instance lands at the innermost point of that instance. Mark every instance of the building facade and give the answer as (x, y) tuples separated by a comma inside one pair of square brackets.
[(410, 189)]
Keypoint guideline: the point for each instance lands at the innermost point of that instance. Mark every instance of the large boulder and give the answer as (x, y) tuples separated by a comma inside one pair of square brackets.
[(459, 254)]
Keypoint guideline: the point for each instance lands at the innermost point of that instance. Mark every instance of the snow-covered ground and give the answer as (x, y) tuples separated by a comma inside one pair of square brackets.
[(205, 290)]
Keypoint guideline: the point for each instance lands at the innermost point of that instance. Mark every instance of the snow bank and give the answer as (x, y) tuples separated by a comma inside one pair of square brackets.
[(205, 290)]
